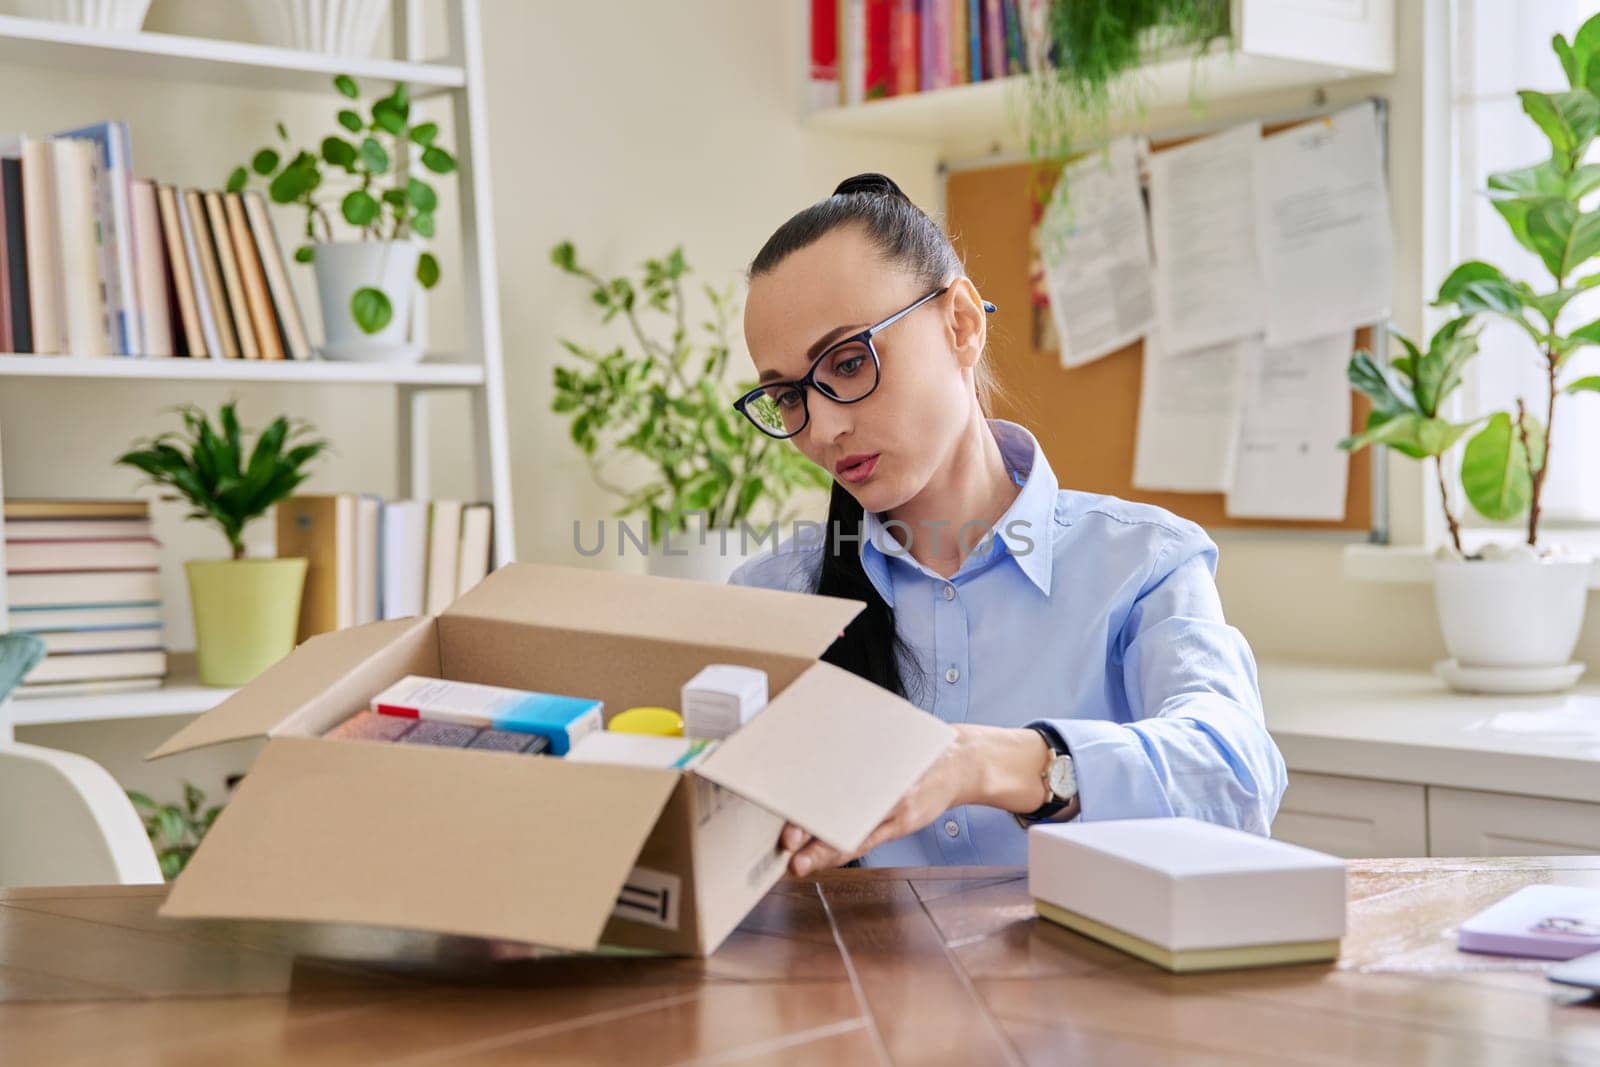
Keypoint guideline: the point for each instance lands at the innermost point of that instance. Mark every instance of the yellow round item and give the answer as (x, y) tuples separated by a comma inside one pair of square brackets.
[(659, 722)]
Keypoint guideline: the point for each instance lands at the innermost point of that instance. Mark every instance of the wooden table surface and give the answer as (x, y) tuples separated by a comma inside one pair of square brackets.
[(859, 966)]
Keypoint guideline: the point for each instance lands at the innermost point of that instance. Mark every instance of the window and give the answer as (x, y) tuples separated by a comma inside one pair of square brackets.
[(1500, 47)]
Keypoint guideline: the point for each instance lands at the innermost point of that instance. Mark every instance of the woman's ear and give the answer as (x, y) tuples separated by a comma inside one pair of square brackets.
[(968, 324)]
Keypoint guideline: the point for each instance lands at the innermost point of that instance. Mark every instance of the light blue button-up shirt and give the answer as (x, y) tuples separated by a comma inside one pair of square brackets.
[(1090, 615)]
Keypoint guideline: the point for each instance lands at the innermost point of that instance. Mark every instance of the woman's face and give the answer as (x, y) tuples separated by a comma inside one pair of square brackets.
[(883, 449)]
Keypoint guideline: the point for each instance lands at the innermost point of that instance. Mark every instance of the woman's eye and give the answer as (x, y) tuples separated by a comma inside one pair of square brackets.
[(848, 366), (789, 398)]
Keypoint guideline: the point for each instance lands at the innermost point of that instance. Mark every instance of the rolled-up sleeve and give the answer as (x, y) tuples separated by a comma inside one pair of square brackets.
[(1198, 744)]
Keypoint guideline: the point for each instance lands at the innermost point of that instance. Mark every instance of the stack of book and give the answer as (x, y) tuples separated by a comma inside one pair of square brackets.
[(370, 559), (872, 49), (96, 262), (83, 575)]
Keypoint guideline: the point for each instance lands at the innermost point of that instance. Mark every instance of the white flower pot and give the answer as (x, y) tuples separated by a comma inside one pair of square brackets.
[(341, 268), (1511, 613), (711, 559), (337, 27), (125, 16)]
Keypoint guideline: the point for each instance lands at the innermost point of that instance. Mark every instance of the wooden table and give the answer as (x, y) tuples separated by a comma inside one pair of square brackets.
[(907, 966)]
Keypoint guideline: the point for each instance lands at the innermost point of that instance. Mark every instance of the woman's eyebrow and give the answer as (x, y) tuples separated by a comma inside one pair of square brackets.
[(816, 349)]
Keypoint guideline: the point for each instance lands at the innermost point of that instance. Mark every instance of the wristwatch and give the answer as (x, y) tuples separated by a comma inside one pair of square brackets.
[(1058, 776)]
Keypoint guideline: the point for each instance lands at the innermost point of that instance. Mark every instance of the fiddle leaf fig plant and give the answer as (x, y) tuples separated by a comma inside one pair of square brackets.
[(1505, 462), (662, 395), (358, 166)]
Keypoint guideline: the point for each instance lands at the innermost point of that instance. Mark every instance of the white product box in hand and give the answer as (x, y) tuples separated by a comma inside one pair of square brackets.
[(722, 698), (1188, 895)]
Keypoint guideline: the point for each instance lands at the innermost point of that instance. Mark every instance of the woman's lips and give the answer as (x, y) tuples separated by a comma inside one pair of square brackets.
[(857, 468)]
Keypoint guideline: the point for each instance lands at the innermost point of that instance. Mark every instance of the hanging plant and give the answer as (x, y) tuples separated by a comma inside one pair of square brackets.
[(1082, 50)]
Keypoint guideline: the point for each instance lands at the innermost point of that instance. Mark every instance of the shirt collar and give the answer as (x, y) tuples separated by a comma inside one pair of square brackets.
[(1025, 530)]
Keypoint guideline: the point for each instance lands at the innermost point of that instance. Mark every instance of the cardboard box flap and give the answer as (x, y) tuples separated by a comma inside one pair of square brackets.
[(482, 844), (664, 609), (832, 753), (337, 672)]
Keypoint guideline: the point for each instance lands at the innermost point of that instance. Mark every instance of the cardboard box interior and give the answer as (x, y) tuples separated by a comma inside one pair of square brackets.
[(533, 848)]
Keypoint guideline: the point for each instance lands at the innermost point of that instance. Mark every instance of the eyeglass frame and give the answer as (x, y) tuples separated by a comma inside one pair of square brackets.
[(810, 377)]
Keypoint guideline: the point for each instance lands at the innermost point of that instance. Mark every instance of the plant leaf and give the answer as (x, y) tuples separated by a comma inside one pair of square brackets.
[(346, 85), (371, 309), (359, 208), (438, 160), (427, 270), (1494, 470)]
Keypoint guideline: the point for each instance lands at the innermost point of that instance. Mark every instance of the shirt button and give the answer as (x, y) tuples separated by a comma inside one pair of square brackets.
[(952, 676), (952, 828), (949, 592)]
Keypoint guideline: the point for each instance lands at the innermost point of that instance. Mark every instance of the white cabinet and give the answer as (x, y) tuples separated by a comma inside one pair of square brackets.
[(1353, 817), (1463, 822)]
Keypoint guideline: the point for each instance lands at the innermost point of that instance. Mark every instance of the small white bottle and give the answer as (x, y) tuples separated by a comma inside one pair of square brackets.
[(722, 698)]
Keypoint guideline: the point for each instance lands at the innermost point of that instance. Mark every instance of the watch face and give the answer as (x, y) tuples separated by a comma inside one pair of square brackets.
[(1063, 779)]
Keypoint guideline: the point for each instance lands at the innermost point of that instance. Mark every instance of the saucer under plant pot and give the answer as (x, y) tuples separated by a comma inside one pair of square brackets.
[(246, 611), (1511, 613)]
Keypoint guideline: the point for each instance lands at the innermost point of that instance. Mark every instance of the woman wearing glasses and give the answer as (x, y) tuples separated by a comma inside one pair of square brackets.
[(1075, 641)]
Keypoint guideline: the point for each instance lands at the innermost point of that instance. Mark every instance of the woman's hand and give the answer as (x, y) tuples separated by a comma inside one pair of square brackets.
[(991, 765)]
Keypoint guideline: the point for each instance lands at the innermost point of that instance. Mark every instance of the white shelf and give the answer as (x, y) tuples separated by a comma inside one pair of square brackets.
[(65, 48), (182, 694), (241, 370), (978, 116)]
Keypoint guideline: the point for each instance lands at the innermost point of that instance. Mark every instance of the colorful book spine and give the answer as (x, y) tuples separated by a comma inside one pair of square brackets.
[(824, 52), (880, 71), (852, 57), (1016, 54), (994, 38), (975, 41), (960, 54), (906, 48), (937, 68)]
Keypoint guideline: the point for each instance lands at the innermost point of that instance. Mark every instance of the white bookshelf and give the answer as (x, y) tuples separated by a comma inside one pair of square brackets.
[(442, 374), (65, 48), (1278, 46)]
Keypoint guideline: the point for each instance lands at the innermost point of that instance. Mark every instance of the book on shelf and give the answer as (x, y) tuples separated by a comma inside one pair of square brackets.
[(824, 76), (370, 559), (112, 149), (83, 576), (887, 48), (97, 262), (47, 690), (150, 264)]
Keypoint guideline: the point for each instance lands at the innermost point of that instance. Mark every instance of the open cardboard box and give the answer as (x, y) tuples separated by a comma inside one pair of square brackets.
[(534, 848)]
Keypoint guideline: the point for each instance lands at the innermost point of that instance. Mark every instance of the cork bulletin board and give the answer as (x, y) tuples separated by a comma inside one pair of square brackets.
[(1086, 417)]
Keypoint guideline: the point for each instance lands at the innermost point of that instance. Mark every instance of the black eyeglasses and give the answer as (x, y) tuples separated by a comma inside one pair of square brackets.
[(846, 372)]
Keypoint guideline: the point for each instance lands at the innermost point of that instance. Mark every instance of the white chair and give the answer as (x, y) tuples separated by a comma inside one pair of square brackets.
[(65, 821)]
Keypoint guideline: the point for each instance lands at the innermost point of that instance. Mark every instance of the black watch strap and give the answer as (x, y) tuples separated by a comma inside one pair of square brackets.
[(1055, 804)]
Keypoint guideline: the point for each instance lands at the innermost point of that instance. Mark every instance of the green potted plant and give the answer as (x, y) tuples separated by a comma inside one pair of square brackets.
[(246, 611), (661, 396), (1510, 614), (364, 286), (175, 830)]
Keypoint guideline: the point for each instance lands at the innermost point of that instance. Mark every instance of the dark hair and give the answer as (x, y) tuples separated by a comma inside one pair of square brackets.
[(908, 239)]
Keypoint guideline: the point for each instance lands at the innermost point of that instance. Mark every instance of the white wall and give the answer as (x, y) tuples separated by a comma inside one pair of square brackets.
[(681, 129)]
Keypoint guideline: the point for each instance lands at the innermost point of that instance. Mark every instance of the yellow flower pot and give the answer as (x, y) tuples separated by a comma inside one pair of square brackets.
[(246, 613)]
